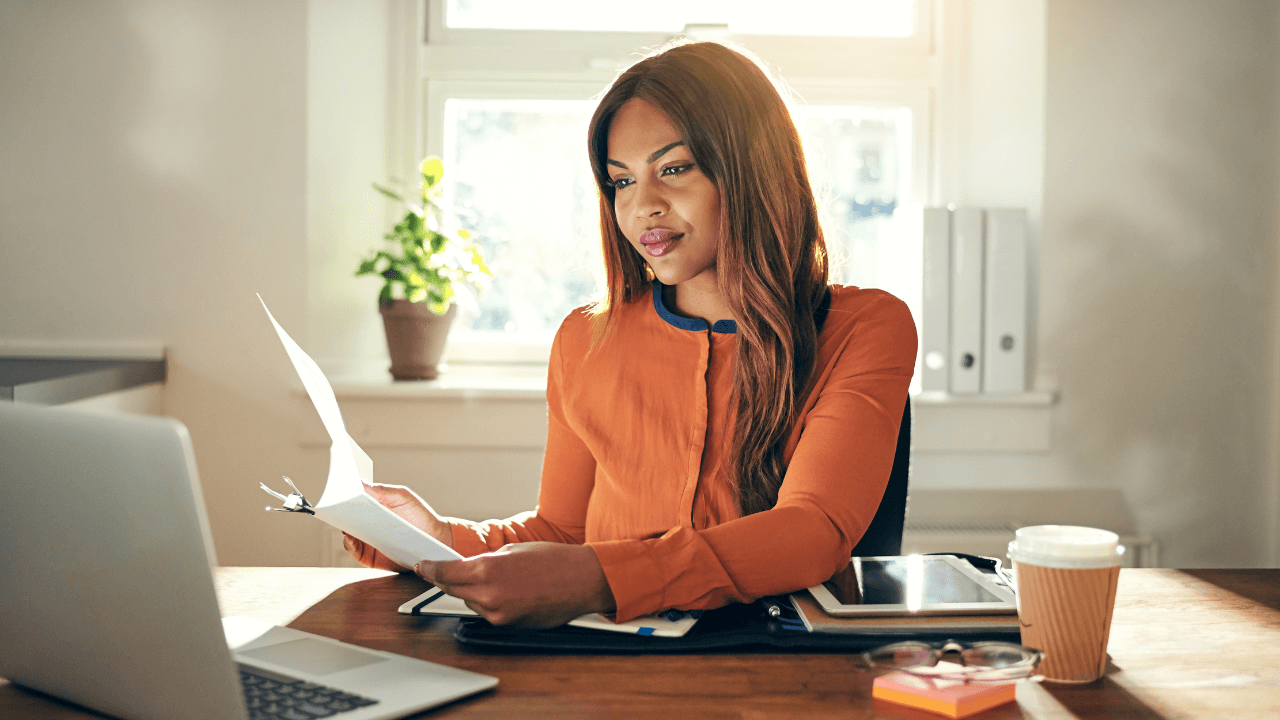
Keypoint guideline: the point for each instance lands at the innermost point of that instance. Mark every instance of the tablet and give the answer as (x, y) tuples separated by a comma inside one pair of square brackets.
[(913, 585)]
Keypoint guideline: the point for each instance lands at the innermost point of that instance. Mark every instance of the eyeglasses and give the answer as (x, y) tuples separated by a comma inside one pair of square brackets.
[(990, 662)]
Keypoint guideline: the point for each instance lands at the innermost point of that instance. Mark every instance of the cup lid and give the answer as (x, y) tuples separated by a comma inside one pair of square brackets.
[(1066, 546)]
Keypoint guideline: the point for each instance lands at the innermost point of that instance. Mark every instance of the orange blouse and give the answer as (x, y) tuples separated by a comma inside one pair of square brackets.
[(637, 431)]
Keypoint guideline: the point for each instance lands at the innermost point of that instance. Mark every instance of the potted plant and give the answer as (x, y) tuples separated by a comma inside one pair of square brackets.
[(432, 263)]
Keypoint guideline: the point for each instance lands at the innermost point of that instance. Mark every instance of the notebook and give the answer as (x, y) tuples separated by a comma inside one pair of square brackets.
[(107, 598)]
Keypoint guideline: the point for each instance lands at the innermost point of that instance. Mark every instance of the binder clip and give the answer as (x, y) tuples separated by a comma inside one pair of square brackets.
[(294, 502)]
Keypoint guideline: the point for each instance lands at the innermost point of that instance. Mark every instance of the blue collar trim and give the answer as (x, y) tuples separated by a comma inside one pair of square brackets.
[(727, 327)]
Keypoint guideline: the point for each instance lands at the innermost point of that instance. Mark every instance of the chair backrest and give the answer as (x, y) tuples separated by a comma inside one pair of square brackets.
[(884, 534)]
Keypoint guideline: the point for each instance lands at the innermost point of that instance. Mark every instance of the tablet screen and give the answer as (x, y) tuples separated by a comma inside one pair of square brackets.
[(917, 580)]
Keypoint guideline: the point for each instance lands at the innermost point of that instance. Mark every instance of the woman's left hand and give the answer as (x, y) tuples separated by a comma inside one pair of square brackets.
[(535, 584)]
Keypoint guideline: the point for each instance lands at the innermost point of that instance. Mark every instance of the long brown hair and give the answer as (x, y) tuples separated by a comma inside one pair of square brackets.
[(771, 260)]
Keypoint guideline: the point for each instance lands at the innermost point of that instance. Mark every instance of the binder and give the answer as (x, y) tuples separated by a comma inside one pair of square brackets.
[(935, 320), (967, 245), (1004, 361)]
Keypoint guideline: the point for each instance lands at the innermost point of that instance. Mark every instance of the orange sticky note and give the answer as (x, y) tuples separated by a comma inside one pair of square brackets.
[(952, 699)]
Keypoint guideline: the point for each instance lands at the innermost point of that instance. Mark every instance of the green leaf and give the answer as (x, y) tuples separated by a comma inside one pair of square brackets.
[(437, 242), (413, 224), (428, 255), (438, 303), (388, 192)]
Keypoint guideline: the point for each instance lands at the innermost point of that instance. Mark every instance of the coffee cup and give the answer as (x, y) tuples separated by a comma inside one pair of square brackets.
[(1066, 577)]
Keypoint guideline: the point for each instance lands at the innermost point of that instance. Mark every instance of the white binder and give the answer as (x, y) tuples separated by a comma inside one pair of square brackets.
[(1004, 363), (966, 357), (935, 320)]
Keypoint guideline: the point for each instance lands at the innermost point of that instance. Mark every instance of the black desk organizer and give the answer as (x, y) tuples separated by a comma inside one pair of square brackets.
[(737, 627)]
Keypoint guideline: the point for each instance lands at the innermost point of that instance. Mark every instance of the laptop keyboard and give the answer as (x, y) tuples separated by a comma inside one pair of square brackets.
[(271, 696)]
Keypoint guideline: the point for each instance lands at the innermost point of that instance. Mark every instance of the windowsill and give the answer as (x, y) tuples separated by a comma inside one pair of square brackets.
[(529, 382), (501, 405), (457, 381), (1028, 398)]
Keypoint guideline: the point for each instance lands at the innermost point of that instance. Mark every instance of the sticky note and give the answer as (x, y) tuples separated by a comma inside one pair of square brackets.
[(954, 699)]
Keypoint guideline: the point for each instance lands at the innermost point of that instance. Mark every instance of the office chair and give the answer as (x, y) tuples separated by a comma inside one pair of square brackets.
[(884, 534)]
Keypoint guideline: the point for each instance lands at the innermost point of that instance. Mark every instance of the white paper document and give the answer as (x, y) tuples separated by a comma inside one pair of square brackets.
[(344, 503)]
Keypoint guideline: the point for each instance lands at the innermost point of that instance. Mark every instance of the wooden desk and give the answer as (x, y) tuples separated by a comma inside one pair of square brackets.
[(1184, 644)]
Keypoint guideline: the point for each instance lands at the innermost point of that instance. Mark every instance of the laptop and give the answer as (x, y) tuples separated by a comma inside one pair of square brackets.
[(107, 594)]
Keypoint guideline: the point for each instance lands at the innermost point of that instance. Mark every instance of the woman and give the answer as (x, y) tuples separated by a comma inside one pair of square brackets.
[(722, 423)]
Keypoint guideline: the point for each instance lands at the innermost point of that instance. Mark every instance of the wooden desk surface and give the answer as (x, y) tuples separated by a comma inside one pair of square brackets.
[(1184, 644)]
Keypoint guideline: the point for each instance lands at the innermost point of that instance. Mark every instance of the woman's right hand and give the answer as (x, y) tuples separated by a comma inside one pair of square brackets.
[(403, 502)]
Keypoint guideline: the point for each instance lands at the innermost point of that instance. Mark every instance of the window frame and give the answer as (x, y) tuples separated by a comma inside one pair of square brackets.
[(437, 33), (577, 65)]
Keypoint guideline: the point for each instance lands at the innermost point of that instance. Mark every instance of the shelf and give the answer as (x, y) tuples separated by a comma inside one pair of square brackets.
[(1033, 398), (56, 380)]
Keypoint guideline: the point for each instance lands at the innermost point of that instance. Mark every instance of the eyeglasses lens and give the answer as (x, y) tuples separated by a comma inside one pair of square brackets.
[(983, 662), (995, 656), (903, 655)]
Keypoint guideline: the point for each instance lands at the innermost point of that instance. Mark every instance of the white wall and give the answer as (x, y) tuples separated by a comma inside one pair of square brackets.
[(164, 161), (990, 136), (152, 180), (1155, 253), (990, 111), (351, 134), (1158, 264)]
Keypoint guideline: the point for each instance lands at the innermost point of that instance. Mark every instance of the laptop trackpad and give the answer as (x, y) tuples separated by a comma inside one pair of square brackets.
[(313, 656)]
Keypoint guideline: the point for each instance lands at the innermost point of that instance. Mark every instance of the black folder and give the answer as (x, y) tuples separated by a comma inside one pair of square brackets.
[(767, 624)]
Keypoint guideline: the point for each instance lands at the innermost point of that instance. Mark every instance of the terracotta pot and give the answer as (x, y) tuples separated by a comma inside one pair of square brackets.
[(415, 338)]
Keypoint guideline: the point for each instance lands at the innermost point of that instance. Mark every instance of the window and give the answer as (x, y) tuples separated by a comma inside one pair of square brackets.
[(861, 165), (508, 93), (521, 182)]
